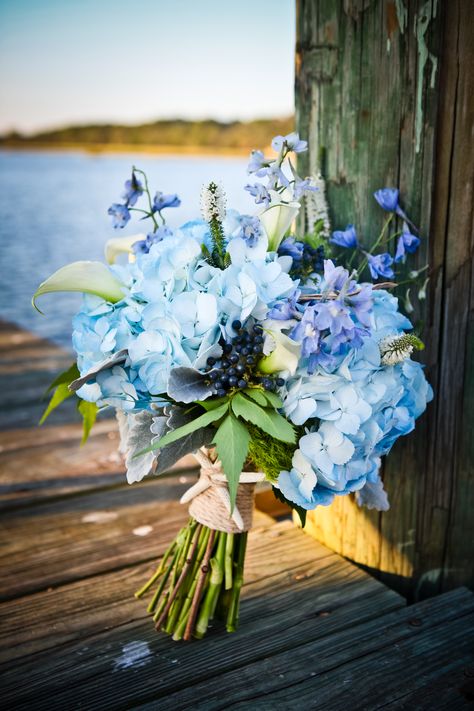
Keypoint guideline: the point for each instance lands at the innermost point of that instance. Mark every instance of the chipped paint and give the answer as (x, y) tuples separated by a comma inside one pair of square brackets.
[(134, 654), (402, 15), (422, 21)]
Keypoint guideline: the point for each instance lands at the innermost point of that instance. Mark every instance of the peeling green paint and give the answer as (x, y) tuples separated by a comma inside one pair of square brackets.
[(402, 15), (422, 21)]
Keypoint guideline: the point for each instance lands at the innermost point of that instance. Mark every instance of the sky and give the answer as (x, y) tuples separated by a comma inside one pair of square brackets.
[(84, 61)]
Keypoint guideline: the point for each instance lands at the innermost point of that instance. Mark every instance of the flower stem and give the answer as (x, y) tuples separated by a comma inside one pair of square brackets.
[(199, 587), (233, 614), (229, 549), (200, 577), (215, 583), (186, 564)]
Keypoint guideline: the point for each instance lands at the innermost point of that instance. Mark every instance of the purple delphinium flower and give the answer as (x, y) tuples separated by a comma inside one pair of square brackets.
[(407, 243), (257, 162), (307, 333), (335, 316), (120, 214), (345, 238), (260, 193), (362, 304), (160, 201), (335, 278), (133, 190), (380, 265), (285, 309)]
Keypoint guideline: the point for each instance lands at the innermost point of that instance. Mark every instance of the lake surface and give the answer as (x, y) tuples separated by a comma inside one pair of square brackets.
[(53, 210)]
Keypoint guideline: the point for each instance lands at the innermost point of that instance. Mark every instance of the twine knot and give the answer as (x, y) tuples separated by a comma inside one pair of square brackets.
[(210, 499)]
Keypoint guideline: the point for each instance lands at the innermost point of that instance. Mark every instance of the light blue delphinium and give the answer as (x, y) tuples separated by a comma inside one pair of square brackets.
[(260, 193), (291, 141), (162, 201), (257, 163), (143, 246), (133, 189), (120, 215), (303, 186)]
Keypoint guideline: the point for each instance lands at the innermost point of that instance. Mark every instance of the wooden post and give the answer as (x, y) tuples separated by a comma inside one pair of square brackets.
[(385, 95)]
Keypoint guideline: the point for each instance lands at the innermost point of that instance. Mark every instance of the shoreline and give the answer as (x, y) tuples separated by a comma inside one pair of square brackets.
[(127, 148)]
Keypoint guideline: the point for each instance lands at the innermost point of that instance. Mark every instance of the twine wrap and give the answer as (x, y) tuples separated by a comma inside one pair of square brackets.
[(210, 500)]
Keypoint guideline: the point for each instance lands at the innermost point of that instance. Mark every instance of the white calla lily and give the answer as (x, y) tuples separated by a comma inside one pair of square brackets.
[(86, 277), (285, 353), (121, 245), (277, 219)]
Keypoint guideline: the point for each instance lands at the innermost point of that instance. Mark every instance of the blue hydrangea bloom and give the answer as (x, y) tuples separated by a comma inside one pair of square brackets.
[(352, 414)]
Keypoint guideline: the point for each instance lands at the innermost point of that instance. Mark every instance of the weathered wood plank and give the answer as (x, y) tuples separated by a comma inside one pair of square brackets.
[(47, 462), (385, 91), (314, 600), (28, 364), (95, 604), (379, 678), (54, 543), (259, 685)]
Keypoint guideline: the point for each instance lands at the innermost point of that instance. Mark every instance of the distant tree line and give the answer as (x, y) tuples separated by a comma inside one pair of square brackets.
[(165, 133)]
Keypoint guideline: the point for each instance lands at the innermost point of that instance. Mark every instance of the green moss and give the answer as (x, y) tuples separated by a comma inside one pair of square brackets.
[(269, 455)]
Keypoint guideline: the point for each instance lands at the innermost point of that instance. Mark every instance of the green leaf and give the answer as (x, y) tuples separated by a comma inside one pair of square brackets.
[(67, 376), (89, 412), (267, 420), (274, 400), (61, 393), (256, 395), (213, 404), (201, 421), (299, 510), (232, 443)]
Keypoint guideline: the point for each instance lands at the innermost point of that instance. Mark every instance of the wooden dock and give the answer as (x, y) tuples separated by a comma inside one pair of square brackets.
[(77, 541)]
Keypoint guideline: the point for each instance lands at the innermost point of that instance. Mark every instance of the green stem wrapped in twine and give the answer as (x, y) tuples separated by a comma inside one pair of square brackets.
[(201, 573)]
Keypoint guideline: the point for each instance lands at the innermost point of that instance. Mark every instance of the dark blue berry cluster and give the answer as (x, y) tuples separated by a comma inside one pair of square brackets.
[(306, 259), (237, 368)]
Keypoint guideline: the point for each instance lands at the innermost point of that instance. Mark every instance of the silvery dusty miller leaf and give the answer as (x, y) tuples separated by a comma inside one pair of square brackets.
[(188, 385), (109, 362), (138, 438)]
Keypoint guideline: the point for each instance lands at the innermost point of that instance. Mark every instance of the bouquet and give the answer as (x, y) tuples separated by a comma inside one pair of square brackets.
[(271, 353)]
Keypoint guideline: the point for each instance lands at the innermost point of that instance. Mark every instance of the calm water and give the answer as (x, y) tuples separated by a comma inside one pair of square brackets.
[(53, 210)]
